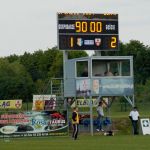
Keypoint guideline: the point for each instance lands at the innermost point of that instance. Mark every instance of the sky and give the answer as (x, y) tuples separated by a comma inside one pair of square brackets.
[(30, 25)]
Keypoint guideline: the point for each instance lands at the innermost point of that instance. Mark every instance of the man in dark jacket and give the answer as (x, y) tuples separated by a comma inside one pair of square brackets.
[(75, 123)]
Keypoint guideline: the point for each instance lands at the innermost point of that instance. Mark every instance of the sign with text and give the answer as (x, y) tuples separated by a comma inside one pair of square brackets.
[(34, 123), (87, 31), (10, 104), (86, 102)]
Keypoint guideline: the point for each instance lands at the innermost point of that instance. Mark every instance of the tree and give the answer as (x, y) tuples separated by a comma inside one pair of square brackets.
[(15, 82), (142, 93)]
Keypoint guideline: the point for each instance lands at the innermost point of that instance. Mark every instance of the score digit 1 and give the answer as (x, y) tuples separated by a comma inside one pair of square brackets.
[(113, 42), (71, 41)]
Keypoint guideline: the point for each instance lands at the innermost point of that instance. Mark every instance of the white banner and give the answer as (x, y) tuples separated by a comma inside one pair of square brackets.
[(145, 125)]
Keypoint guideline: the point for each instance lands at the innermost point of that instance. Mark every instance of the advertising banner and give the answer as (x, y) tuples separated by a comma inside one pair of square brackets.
[(44, 102), (10, 104), (105, 87), (145, 125), (83, 87), (86, 102), (24, 124), (116, 86), (95, 87)]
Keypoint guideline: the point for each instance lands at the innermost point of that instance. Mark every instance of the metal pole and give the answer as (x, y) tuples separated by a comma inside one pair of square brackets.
[(91, 116), (132, 74), (65, 58), (133, 101), (62, 88)]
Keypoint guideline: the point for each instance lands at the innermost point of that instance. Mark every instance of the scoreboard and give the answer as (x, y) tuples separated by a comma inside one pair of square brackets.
[(84, 31)]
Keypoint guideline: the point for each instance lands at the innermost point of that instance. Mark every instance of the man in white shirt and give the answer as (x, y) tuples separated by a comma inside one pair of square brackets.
[(134, 116)]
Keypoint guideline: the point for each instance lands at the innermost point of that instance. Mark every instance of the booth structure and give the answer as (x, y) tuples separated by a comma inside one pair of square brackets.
[(95, 76), (98, 76)]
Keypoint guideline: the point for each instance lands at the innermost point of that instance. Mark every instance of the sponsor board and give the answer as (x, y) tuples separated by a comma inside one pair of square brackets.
[(95, 86), (86, 102), (34, 124), (83, 87), (10, 104), (116, 86), (145, 125), (44, 102)]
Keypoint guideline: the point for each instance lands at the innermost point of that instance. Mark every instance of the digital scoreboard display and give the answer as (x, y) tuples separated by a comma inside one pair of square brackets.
[(82, 31)]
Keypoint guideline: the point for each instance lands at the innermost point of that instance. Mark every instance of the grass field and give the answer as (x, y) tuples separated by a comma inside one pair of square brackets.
[(121, 141), (97, 142)]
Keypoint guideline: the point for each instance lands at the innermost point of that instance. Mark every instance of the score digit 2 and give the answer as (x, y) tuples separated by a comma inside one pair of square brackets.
[(113, 42)]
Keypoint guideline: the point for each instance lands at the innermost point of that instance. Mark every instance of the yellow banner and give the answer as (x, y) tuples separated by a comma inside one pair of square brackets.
[(85, 103), (10, 104)]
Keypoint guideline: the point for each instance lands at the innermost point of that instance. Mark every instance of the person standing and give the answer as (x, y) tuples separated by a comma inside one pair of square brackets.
[(75, 123), (100, 114), (134, 116)]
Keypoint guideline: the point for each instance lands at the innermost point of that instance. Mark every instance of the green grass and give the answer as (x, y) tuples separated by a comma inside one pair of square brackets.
[(97, 142)]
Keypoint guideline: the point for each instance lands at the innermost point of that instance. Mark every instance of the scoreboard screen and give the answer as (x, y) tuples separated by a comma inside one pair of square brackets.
[(82, 31)]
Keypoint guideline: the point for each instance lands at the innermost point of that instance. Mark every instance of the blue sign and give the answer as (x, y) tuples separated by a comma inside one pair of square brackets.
[(116, 86)]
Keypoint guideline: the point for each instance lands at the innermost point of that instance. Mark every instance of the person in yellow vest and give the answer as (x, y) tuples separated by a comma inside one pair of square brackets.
[(75, 123)]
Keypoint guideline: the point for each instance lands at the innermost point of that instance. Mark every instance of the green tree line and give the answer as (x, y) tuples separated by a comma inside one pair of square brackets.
[(27, 74)]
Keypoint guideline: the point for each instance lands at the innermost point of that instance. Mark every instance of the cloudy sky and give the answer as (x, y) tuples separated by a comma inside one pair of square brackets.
[(30, 25)]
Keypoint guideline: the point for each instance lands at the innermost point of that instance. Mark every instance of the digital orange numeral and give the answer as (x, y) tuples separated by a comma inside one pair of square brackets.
[(113, 42), (71, 42), (95, 26), (78, 26)]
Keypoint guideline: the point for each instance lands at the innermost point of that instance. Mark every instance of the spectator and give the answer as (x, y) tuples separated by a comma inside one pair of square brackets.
[(75, 123), (134, 116), (108, 73), (85, 73), (115, 73), (100, 113)]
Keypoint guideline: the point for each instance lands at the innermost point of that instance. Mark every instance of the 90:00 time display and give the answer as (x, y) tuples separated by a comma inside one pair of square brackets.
[(83, 26), (92, 27)]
